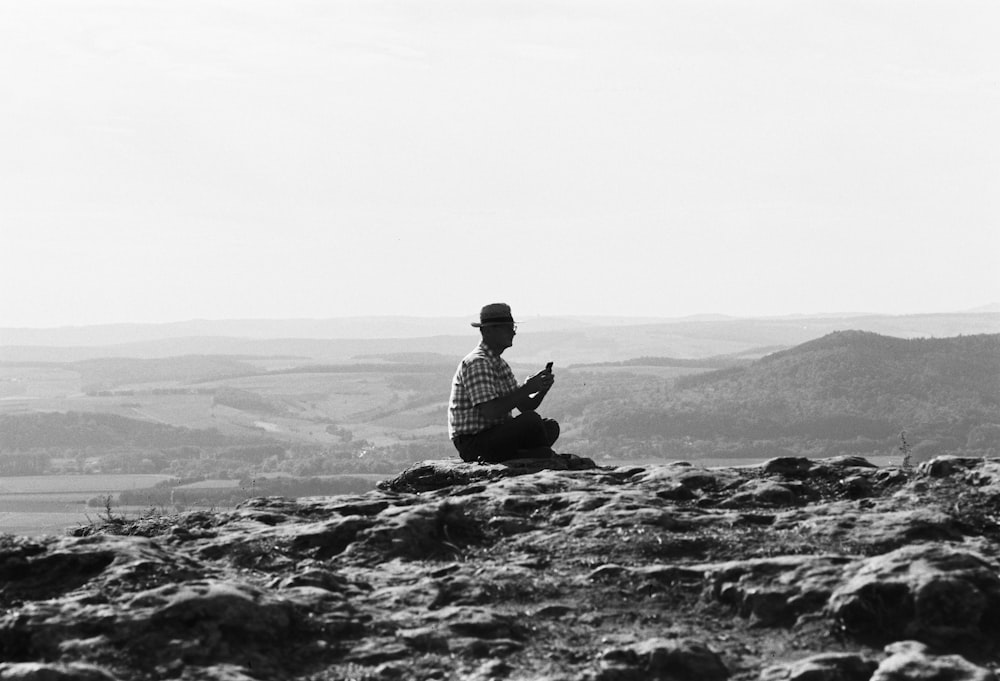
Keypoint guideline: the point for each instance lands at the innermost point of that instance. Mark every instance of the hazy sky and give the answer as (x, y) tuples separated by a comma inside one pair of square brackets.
[(167, 160)]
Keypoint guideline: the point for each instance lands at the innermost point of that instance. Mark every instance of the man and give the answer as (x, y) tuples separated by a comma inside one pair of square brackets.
[(484, 393)]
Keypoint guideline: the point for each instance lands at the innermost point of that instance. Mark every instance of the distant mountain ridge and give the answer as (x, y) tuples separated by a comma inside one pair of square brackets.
[(564, 340), (371, 327)]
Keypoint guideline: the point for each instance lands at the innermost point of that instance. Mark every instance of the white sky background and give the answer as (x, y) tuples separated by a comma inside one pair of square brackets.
[(167, 160)]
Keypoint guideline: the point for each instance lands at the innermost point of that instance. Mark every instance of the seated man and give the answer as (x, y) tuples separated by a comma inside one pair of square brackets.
[(484, 392)]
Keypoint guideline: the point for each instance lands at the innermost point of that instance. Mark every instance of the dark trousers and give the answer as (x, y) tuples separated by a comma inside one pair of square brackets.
[(509, 440)]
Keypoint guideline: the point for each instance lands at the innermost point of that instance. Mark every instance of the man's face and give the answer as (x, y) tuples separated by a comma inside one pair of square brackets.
[(500, 336)]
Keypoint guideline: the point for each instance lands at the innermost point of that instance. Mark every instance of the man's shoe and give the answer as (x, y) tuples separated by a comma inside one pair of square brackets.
[(536, 453), (577, 463), (538, 463)]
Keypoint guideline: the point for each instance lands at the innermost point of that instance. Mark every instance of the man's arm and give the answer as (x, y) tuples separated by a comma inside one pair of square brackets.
[(526, 398)]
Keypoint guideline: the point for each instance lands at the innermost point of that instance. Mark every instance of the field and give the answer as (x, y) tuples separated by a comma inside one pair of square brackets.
[(50, 504), (39, 382), (385, 406)]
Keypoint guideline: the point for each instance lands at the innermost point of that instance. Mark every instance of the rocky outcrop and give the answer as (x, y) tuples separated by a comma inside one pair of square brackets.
[(802, 570)]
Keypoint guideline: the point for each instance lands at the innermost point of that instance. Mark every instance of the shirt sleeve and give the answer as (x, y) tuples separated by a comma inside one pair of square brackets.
[(481, 384)]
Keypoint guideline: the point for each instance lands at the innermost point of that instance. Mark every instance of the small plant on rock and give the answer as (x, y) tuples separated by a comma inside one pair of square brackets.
[(904, 448), (152, 521)]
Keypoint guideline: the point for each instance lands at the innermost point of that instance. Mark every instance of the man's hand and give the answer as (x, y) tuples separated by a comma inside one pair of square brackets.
[(540, 382), (525, 398)]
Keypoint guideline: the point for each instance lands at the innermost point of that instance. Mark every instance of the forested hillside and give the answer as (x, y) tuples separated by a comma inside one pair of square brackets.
[(848, 392)]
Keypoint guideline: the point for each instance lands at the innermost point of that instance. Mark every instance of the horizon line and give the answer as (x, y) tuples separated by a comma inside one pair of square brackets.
[(990, 308)]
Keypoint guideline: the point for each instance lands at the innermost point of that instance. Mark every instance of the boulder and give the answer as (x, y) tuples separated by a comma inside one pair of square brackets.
[(945, 465), (666, 659), (936, 593), (38, 671), (912, 661), (775, 591), (823, 667)]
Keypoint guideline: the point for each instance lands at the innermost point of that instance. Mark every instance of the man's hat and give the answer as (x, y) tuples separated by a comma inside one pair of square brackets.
[(494, 313)]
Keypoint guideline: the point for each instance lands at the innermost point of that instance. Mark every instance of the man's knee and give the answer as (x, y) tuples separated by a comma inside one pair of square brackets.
[(551, 430), (532, 421), (547, 429)]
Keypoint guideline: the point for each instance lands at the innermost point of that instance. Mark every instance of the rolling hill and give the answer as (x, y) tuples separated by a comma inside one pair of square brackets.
[(847, 391)]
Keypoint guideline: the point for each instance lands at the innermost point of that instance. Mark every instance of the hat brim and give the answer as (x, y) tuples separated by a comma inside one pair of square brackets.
[(494, 322)]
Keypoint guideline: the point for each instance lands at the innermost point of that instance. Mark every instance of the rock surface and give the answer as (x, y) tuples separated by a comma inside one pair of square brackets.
[(830, 570)]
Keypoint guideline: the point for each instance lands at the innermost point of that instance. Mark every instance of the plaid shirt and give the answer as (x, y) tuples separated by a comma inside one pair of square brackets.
[(481, 377)]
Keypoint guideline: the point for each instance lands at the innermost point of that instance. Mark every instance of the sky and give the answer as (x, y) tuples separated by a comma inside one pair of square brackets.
[(168, 160)]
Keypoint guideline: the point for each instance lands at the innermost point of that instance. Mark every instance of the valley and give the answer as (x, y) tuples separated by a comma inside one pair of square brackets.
[(318, 421)]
